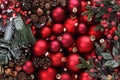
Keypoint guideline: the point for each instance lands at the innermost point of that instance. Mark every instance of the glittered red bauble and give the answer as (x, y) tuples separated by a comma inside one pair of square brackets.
[(84, 76), (58, 14), (97, 33), (72, 61), (84, 44), (67, 40), (70, 25), (82, 28), (56, 59), (45, 31), (54, 46), (47, 74), (73, 4), (28, 67), (57, 28), (65, 76), (40, 47)]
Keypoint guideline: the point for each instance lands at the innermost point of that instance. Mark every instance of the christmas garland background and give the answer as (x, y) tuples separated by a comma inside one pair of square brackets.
[(59, 39)]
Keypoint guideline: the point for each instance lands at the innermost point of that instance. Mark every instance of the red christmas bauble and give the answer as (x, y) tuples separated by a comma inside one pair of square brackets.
[(84, 76), (84, 44), (84, 18), (83, 6), (47, 74), (57, 59), (54, 46), (72, 4), (45, 31), (53, 37), (65, 76), (57, 28), (94, 2), (82, 28), (67, 40), (58, 14), (90, 55), (40, 47), (98, 34), (71, 24), (28, 67), (72, 61)]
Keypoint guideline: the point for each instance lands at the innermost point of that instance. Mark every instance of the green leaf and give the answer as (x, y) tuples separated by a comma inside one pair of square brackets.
[(106, 55), (112, 63), (115, 52), (97, 27), (118, 27), (85, 13), (90, 15), (81, 66), (91, 62), (98, 48)]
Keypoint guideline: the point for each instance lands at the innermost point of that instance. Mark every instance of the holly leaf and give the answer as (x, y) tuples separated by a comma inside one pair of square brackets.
[(106, 55), (90, 15), (115, 52), (118, 27), (85, 13), (112, 63)]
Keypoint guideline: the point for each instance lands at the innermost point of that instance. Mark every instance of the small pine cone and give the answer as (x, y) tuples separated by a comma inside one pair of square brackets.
[(34, 18), (22, 60), (21, 76), (42, 62), (43, 19)]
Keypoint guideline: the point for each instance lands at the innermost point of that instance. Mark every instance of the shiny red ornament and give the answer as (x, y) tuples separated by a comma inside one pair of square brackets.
[(84, 76), (58, 14), (28, 67), (84, 44), (40, 47), (47, 74), (57, 59), (57, 28), (84, 18), (53, 37), (73, 4), (82, 28), (67, 40), (83, 6), (45, 31), (97, 33), (54, 46), (65, 76), (71, 24), (90, 55), (72, 61)]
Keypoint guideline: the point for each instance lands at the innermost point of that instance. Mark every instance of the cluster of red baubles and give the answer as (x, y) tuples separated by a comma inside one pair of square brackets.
[(64, 40)]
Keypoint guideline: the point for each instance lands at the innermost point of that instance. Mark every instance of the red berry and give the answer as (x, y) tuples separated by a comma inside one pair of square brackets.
[(115, 38), (109, 36)]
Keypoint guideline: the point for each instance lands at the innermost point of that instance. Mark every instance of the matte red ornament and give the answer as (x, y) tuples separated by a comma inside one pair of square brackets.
[(84, 44), (47, 74), (72, 61), (97, 33), (71, 24), (82, 28), (84, 76), (54, 46), (72, 4), (57, 28), (57, 59), (67, 40), (58, 14), (45, 31), (65, 76), (40, 47), (28, 67)]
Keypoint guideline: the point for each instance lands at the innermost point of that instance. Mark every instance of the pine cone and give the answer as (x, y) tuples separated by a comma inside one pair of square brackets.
[(41, 62)]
